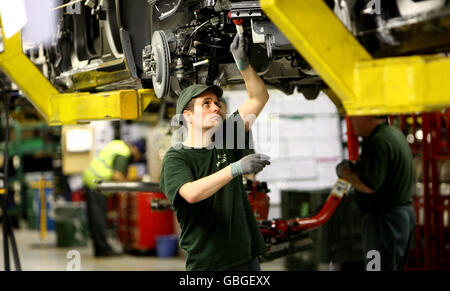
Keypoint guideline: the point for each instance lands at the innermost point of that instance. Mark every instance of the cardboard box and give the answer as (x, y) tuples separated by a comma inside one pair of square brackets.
[(75, 159)]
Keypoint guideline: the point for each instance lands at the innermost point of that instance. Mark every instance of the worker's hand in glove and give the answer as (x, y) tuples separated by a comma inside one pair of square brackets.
[(253, 163), (341, 166), (238, 49)]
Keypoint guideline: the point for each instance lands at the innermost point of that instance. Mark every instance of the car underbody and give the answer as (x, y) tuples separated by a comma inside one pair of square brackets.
[(167, 45)]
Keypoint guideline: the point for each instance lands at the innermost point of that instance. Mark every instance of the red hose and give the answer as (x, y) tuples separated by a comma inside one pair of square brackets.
[(352, 141), (320, 218), (278, 230)]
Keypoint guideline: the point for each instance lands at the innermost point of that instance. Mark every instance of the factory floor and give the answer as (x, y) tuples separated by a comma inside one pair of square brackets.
[(43, 255)]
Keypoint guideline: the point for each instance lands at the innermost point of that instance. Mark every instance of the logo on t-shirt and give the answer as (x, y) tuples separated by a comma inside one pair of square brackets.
[(221, 159)]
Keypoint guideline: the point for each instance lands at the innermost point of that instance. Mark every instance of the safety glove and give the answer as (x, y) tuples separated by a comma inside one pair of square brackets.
[(238, 49), (253, 163), (341, 166)]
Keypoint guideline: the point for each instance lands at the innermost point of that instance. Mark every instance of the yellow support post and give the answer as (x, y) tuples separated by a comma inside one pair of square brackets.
[(364, 85)]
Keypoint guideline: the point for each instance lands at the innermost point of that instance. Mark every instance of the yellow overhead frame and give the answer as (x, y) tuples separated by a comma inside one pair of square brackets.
[(67, 108), (72, 108), (364, 85)]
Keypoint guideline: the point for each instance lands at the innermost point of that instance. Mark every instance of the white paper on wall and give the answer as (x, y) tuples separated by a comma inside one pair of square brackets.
[(303, 138), (103, 133), (79, 140)]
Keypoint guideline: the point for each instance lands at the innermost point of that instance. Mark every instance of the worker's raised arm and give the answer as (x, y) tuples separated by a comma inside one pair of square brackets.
[(205, 187), (256, 89)]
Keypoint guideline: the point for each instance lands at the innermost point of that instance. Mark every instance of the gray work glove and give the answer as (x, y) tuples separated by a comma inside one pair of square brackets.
[(238, 49), (253, 163), (341, 166)]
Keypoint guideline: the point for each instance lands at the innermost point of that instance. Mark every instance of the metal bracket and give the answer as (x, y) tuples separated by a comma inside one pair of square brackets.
[(110, 186), (266, 32), (245, 9)]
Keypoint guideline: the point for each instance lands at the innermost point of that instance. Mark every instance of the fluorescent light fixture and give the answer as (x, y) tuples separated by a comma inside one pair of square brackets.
[(14, 16)]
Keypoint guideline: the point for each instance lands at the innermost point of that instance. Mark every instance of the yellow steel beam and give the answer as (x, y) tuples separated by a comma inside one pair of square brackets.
[(68, 108), (364, 85), (146, 97), (401, 84), (72, 108), (321, 39), (98, 77), (24, 73)]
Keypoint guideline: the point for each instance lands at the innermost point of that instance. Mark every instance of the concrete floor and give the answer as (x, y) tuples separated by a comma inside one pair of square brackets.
[(38, 255)]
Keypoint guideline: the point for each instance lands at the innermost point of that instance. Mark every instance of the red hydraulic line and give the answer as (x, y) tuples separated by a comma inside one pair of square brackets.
[(333, 199), (320, 218), (352, 141)]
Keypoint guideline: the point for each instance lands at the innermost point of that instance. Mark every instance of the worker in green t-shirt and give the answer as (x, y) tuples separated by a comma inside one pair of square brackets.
[(202, 176), (383, 182), (110, 164)]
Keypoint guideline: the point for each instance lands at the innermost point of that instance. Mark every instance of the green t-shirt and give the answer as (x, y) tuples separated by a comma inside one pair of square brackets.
[(385, 165), (219, 232)]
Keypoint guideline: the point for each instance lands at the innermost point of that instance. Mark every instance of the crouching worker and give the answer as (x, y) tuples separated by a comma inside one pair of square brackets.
[(111, 164)]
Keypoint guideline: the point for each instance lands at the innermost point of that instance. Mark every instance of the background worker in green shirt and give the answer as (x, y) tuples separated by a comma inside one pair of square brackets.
[(383, 182), (202, 177), (111, 164)]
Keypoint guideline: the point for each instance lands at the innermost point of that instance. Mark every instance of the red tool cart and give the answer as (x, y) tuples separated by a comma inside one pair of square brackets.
[(139, 217), (138, 224)]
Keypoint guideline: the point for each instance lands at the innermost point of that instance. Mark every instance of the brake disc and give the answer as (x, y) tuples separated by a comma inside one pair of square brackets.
[(160, 69)]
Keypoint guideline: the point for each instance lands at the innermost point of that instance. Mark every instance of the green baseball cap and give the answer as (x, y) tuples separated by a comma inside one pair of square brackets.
[(192, 92)]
